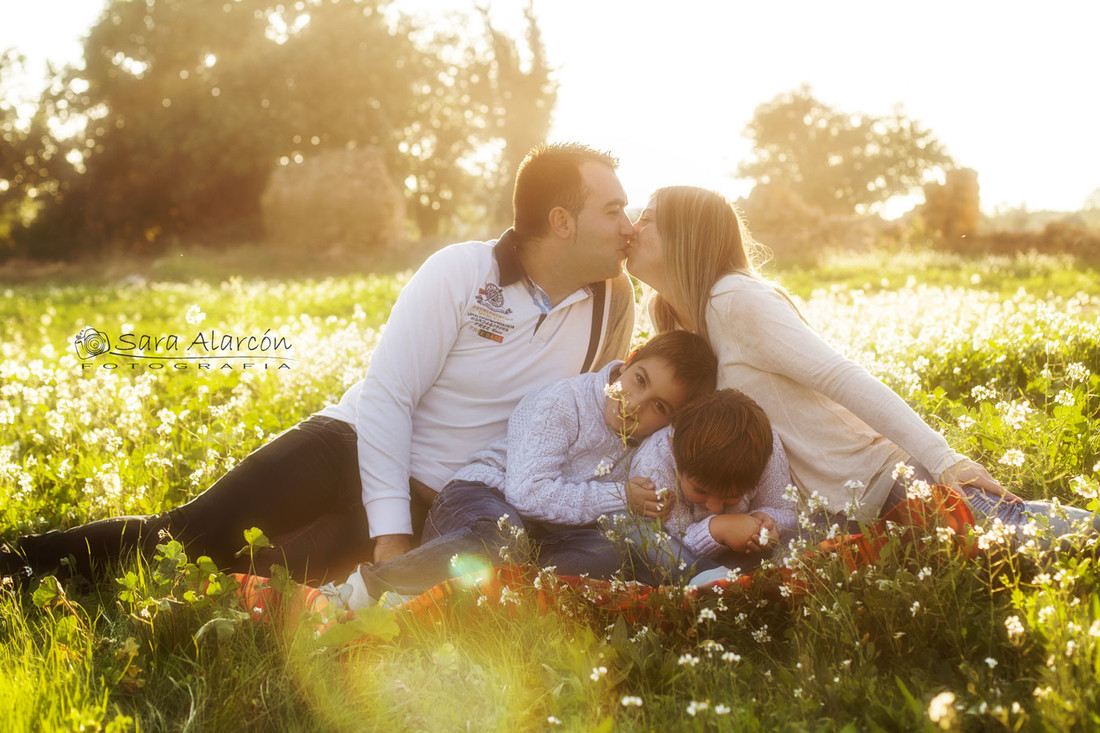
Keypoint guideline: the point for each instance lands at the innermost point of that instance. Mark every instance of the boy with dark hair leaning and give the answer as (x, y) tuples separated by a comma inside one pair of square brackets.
[(730, 507)]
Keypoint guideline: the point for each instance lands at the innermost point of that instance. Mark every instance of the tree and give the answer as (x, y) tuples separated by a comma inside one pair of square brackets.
[(524, 96), (183, 108), (838, 161)]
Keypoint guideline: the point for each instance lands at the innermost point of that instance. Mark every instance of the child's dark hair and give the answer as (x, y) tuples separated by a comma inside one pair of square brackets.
[(723, 442), (689, 355)]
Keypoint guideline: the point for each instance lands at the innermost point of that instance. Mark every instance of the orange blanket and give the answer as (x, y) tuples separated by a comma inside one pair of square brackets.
[(499, 586)]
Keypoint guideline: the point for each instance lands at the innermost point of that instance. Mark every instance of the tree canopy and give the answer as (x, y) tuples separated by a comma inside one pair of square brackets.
[(182, 109), (838, 161)]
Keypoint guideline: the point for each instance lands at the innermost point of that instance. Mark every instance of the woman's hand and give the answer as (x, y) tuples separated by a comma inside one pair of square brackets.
[(968, 473), (643, 498)]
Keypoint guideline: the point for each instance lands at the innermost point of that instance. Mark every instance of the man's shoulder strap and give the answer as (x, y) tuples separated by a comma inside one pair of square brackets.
[(612, 322), (599, 307)]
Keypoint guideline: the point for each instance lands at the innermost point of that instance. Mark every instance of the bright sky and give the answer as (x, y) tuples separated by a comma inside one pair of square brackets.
[(668, 85)]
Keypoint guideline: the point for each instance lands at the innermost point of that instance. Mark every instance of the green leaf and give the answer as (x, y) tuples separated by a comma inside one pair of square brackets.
[(256, 539), (374, 621), (46, 592), (280, 579), (222, 628)]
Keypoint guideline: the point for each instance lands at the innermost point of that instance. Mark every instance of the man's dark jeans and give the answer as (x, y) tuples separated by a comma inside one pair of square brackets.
[(302, 489)]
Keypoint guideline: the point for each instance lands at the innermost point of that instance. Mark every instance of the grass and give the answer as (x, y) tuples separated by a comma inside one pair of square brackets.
[(1002, 355)]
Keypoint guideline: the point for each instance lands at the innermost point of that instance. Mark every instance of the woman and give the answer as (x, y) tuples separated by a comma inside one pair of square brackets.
[(844, 430)]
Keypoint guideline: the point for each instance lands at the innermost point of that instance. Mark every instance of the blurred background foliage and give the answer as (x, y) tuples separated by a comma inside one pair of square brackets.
[(346, 127), (184, 109)]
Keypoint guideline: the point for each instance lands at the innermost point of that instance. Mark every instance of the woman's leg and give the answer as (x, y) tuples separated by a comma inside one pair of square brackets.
[(1052, 522)]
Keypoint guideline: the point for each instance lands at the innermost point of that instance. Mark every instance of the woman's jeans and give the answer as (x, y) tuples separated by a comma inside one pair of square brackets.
[(1051, 522), (302, 489)]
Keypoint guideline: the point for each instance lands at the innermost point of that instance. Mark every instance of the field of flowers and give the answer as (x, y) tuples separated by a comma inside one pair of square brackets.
[(1000, 354)]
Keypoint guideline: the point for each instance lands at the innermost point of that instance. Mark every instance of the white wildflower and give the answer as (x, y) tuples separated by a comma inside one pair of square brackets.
[(1077, 372), (941, 710), (631, 701), (597, 673), (604, 467), (1013, 457), (1065, 398), (696, 707), (902, 470), (919, 490), (1014, 627), (195, 316)]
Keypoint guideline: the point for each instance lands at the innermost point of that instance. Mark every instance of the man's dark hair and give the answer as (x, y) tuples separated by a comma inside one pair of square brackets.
[(550, 176), (723, 442)]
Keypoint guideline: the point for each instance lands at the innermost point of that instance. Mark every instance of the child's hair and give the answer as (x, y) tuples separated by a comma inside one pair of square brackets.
[(723, 442), (691, 359)]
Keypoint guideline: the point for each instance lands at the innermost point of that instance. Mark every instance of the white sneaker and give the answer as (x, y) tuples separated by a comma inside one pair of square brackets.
[(709, 576)]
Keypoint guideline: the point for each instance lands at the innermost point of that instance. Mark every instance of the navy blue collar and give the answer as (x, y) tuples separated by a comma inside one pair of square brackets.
[(511, 269)]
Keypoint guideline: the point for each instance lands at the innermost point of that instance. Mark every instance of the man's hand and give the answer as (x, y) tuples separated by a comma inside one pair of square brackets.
[(389, 546), (736, 531), (643, 498)]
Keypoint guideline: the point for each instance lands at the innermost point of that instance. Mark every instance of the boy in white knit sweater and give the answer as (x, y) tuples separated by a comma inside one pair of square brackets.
[(730, 505)]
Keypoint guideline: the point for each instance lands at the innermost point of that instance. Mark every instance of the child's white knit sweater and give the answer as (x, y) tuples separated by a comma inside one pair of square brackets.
[(560, 462), (690, 523)]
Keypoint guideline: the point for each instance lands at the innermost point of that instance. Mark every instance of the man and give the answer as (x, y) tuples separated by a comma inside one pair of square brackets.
[(480, 325), (477, 328)]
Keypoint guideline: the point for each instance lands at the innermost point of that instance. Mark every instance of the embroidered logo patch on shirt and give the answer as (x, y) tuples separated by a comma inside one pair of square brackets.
[(489, 318), (492, 297)]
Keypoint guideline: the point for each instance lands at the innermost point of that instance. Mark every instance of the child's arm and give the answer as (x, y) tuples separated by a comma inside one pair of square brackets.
[(541, 434), (738, 532), (651, 489), (644, 498), (770, 495)]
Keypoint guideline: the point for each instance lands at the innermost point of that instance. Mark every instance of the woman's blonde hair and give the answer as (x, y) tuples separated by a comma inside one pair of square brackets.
[(703, 239)]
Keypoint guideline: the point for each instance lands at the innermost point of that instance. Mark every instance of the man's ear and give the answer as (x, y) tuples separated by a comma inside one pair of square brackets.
[(562, 223)]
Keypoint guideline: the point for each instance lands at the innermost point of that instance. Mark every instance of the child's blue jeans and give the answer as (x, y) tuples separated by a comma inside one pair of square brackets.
[(472, 518)]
